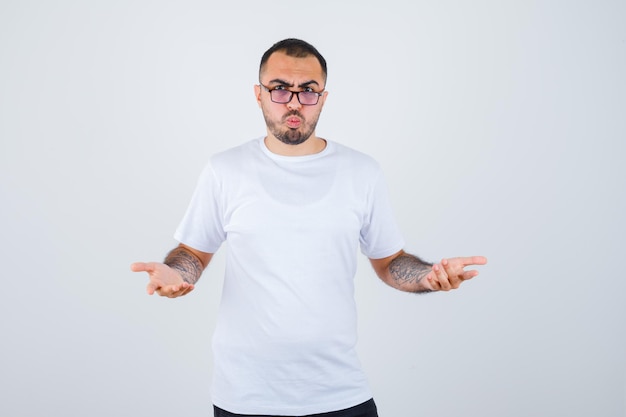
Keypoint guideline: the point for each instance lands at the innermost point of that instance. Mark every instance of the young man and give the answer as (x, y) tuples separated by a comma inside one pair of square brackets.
[(294, 208)]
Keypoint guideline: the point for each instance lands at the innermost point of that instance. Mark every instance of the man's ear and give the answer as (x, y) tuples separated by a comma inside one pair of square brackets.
[(323, 97), (257, 94)]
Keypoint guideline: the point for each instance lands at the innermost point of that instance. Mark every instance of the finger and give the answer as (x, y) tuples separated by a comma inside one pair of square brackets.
[(167, 291), (142, 267), (441, 277), (469, 274), (432, 281), (454, 274), (138, 267), (473, 260), (187, 290), (173, 291), (164, 291), (153, 287), (446, 266), (177, 290)]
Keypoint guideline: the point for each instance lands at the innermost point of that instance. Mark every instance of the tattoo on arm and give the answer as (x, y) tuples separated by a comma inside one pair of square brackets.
[(408, 270), (186, 263)]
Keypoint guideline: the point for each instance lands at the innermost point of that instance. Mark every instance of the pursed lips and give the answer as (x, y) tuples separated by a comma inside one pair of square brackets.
[(293, 121)]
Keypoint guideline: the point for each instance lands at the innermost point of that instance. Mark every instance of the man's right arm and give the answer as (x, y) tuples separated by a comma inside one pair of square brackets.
[(178, 273)]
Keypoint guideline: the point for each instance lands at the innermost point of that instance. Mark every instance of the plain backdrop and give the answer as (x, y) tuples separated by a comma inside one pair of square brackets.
[(501, 127)]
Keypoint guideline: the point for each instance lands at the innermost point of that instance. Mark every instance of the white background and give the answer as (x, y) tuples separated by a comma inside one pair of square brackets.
[(500, 126)]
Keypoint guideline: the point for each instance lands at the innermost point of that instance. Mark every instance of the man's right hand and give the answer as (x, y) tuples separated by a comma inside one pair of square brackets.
[(164, 280)]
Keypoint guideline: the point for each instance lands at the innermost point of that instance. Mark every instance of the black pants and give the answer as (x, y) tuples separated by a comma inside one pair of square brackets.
[(367, 409)]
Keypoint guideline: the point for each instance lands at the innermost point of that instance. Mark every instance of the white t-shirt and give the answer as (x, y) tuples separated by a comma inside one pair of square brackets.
[(285, 336)]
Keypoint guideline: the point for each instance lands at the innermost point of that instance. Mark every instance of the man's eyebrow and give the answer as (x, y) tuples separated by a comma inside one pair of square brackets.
[(308, 83), (287, 84), (280, 82)]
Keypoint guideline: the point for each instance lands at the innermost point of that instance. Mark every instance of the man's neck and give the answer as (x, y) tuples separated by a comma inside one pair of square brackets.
[(310, 146)]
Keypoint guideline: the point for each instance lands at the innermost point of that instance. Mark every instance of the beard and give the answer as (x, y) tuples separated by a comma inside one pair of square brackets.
[(288, 135)]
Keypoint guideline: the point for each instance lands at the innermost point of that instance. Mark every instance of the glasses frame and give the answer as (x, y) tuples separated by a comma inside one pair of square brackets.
[(297, 93)]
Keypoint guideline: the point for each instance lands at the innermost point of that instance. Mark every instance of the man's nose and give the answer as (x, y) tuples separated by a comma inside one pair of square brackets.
[(294, 103)]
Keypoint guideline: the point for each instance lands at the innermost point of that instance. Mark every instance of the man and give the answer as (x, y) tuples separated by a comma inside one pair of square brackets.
[(294, 209)]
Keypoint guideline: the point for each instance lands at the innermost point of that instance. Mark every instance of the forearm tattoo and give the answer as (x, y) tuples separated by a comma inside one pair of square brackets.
[(408, 270), (186, 263)]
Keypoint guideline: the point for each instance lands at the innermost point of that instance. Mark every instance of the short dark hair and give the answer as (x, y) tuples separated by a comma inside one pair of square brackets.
[(296, 48)]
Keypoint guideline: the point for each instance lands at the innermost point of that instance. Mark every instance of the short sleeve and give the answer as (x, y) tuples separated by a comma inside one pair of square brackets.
[(380, 236), (202, 225)]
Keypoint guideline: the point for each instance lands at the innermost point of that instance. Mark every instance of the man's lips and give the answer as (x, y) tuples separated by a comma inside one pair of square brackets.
[(293, 121)]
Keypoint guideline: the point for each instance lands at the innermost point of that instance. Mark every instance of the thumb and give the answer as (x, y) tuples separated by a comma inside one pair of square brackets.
[(141, 267), (152, 287)]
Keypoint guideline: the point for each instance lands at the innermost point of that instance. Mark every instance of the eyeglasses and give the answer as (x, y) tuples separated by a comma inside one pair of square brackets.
[(282, 96)]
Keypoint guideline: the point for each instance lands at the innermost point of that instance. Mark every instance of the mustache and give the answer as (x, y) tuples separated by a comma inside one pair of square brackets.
[(293, 113)]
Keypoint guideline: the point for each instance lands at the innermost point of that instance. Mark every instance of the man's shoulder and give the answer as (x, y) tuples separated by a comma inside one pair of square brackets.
[(356, 157), (234, 155), (235, 151)]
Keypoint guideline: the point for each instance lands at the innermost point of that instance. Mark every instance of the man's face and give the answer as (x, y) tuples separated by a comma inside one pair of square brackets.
[(291, 123)]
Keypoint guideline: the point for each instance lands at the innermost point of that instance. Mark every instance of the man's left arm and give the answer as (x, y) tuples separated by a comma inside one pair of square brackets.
[(409, 273)]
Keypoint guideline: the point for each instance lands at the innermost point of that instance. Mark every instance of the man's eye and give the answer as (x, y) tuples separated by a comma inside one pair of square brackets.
[(308, 90), (280, 87)]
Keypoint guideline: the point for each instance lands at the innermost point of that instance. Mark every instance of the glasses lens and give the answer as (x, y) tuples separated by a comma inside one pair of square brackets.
[(281, 96), (308, 97)]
